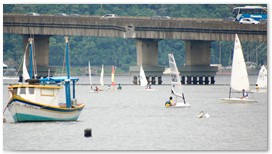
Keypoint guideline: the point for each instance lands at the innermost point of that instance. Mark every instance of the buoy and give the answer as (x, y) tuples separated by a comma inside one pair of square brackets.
[(207, 115), (200, 115), (88, 132)]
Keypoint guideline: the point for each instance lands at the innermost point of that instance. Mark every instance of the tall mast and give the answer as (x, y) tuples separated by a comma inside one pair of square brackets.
[(67, 56), (30, 58), (67, 82)]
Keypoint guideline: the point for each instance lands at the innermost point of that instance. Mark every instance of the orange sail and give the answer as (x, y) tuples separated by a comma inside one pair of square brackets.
[(112, 76)]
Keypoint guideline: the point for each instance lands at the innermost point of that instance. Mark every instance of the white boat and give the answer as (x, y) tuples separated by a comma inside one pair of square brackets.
[(176, 89), (90, 78), (36, 100), (239, 76), (102, 77), (143, 81), (262, 78), (10, 78)]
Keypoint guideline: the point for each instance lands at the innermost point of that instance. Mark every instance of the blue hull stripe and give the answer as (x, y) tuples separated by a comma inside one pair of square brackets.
[(47, 107), (18, 117)]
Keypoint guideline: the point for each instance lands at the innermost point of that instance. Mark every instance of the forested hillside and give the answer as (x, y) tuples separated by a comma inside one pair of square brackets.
[(118, 51)]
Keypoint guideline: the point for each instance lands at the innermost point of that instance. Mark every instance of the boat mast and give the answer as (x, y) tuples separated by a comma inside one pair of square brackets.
[(30, 58), (67, 82)]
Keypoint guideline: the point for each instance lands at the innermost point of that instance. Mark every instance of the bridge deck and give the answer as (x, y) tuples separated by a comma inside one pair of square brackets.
[(134, 27)]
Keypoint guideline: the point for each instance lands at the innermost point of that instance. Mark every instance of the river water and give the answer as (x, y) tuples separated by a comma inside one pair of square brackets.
[(135, 119)]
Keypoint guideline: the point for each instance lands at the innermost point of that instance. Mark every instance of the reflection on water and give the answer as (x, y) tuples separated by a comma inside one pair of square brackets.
[(135, 119)]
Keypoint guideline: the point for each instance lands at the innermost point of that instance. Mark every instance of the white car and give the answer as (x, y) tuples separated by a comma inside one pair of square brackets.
[(32, 14), (248, 21), (109, 16)]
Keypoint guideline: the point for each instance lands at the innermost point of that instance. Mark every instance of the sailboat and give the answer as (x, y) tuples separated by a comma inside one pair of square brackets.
[(262, 78), (176, 88), (112, 75), (90, 78), (102, 77), (239, 76), (143, 81), (36, 100)]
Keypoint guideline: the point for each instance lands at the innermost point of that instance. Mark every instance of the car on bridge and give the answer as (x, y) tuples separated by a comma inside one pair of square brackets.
[(32, 14), (160, 17), (60, 14), (74, 15), (248, 21), (109, 16)]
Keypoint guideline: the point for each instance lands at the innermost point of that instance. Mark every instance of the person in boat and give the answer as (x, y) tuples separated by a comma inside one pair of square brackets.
[(149, 85), (245, 94), (169, 103), (257, 87), (96, 88), (119, 87)]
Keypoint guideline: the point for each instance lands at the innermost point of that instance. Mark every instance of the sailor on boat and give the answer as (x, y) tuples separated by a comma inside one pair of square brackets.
[(96, 88), (245, 94), (170, 102), (119, 87), (257, 87)]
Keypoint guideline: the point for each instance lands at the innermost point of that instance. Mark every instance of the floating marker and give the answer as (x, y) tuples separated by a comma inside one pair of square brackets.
[(88, 132), (201, 114)]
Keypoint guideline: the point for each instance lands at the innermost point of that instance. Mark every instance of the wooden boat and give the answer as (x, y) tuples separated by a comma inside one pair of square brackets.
[(36, 100)]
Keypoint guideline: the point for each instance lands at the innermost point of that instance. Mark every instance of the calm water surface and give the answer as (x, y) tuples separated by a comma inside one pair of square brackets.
[(135, 119)]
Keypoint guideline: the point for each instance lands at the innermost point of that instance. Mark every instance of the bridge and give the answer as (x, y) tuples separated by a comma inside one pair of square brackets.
[(197, 34)]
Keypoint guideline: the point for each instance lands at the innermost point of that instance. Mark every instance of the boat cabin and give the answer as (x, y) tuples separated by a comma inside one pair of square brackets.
[(37, 93)]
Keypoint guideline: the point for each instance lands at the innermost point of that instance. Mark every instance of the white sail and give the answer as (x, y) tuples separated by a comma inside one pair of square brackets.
[(262, 78), (90, 76), (142, 77), (102, 76), (25, 71), (175, 79), (239, 76)]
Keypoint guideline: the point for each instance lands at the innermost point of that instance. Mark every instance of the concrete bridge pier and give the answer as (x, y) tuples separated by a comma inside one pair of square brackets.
[(197, 64), (40, 54), (147, 57)]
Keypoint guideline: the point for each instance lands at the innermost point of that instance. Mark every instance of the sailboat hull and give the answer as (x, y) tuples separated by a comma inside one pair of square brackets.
[(26, 111), (181, 105), (238, 100)]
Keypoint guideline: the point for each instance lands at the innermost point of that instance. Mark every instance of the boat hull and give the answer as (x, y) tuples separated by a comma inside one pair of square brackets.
[(238, 100), (181, 105), (26, 111)]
